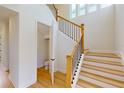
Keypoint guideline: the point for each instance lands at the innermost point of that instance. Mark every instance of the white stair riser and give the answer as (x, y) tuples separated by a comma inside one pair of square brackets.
[(104, 58), (96, 82), (104, 65), (108, 75)]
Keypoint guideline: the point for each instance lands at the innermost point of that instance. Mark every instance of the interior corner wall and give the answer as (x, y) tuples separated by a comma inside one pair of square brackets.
[(119, 29)]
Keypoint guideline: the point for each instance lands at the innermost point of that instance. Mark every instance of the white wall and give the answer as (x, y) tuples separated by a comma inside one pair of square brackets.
[(4, 35), (65, 46), (14, 50), (119, 32), (43, 45), (27, 50), (99, 29), (38, 11), (64, 10), (25, 72)]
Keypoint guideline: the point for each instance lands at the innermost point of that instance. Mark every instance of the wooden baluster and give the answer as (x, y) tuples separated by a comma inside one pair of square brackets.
[(68, 30), (79, 33), (65, 27), (59, 24), (68, 71), (62, 25), (82, 32), (71, 31), (76, 33)]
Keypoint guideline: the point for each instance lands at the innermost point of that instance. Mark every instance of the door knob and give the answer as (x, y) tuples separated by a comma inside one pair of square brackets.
[(52, 59)]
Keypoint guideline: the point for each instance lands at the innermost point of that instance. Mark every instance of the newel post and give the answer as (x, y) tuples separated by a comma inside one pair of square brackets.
[(57, 14), (82, 39), (68, 71)]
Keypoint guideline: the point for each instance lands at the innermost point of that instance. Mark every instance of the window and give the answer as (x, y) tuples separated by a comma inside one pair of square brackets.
[(73, 10), (92, 8), (105, 5), (82, 9)]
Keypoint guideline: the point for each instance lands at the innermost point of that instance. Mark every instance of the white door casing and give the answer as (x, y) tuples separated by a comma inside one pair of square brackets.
[(53, 42)]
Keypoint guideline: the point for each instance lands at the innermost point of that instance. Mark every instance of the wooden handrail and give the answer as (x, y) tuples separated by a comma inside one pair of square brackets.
[(58, 16), (70, 58), (56, 12), (55, 7), (69, 21)]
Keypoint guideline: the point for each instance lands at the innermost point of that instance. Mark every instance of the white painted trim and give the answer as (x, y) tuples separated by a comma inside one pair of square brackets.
[(76, 77), (96, 82), (103, 51), (104, 65), (104, 74), (103, 58)]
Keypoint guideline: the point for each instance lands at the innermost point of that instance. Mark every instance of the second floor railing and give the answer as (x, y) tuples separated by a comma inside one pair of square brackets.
[(69, 28)]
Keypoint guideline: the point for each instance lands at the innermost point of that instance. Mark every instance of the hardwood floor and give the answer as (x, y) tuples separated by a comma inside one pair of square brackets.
[(44, 80), (4, 80)]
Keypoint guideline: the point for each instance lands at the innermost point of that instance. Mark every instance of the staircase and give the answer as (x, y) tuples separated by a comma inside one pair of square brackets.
[(92, 69), (101, 70)]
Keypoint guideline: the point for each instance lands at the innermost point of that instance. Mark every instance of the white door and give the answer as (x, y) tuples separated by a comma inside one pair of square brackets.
[(53, 35)]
